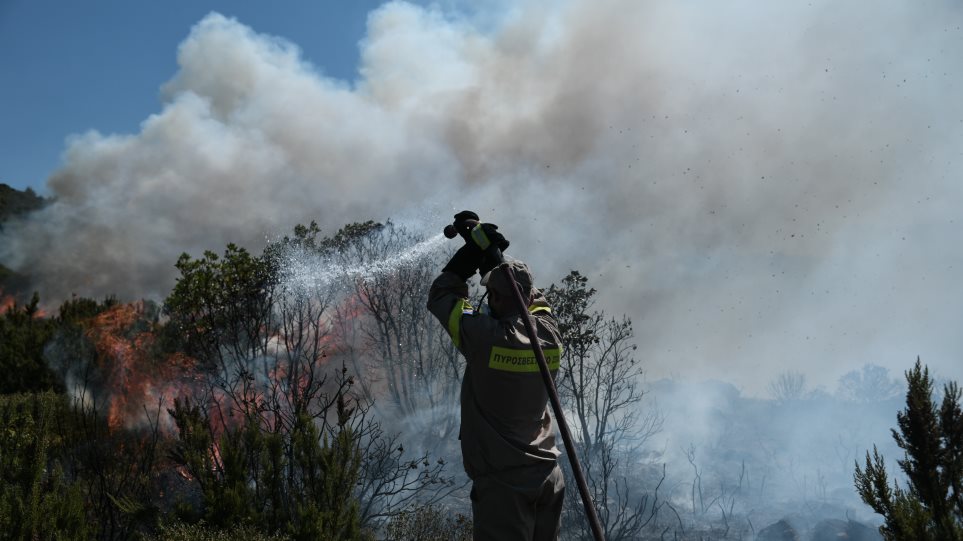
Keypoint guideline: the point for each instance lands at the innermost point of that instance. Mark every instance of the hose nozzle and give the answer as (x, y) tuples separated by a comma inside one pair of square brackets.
[(451, 231)]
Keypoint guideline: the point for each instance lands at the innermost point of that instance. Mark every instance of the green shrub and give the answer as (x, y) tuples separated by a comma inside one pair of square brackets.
[(294, 480), (37, 499), (64, 474), (23, 334), (180, 531)]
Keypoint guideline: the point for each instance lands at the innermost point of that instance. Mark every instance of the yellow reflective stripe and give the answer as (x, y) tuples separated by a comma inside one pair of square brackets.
[(522, 360), (537, 309), (481, 239), (454, 320)]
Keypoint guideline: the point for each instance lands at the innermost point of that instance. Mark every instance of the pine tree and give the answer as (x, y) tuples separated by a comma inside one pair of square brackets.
[(931, 505)]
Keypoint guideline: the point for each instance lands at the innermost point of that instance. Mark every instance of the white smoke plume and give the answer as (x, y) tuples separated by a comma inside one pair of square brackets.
[(761, 186)]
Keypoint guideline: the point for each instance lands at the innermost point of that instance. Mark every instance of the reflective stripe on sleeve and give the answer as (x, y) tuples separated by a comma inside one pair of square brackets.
[(454, 320), (537, 309), (480, 238), (522, 360)]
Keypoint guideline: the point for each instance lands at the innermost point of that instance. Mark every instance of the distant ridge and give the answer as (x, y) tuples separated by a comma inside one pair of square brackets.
[(14, 201)]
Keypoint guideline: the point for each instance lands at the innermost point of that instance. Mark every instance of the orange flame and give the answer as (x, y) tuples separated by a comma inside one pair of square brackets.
[(137, 385), (7, 302)]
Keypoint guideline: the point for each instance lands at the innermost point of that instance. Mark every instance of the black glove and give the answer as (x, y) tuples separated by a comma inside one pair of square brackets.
[(494, 237), (467, 220), (465, 261), (473, 255), (463, 223)]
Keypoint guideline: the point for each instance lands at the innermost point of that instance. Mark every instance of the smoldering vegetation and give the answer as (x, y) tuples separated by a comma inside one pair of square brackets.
[(747, 463)]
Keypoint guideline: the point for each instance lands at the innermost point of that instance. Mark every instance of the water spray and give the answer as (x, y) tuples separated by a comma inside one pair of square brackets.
[(496, 254), (307, 271)]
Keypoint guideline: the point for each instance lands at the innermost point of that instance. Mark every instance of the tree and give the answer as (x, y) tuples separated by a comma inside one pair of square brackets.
[(407, 366), (390, 337), (871, 383), (221, 307), (14, 202), (931, 505), (788, 386), (263, 335), (598, 382), (23, 334)]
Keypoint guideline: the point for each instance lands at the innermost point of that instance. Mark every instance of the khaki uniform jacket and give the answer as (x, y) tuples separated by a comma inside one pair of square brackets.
[(505, 421)]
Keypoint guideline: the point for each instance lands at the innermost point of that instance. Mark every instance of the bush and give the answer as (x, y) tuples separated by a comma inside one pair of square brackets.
[(427, 523), (23, 334), (37, 499), (64, 474), (180, 531), (297, 480)]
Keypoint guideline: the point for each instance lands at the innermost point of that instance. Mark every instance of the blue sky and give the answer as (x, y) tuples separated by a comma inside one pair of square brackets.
[(73, 66)]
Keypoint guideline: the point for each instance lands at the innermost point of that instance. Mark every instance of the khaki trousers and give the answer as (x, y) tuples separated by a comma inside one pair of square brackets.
[(523, 504)]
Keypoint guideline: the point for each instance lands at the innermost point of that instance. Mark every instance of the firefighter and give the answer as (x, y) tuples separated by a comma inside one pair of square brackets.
[(507, 433)]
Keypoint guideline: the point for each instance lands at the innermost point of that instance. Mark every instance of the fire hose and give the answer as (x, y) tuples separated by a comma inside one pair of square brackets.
[(583, 490)]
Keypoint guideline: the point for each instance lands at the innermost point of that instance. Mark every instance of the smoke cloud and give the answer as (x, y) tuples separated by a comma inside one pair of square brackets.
[(761, 186)]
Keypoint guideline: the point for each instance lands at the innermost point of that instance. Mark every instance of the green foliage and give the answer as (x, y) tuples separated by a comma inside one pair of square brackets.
[(23, 334), (931, 506), (305, 237), (308, 237), (115, 468), (14, 202), (180, 531), (37, 499), (221, 302), (428, 523), (64, 474), (80, 309), (296, 481), (348, 235), (571, 302), (286, 453)]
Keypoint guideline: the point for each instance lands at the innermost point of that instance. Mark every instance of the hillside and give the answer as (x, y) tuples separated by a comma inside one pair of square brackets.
[(12, 203)]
